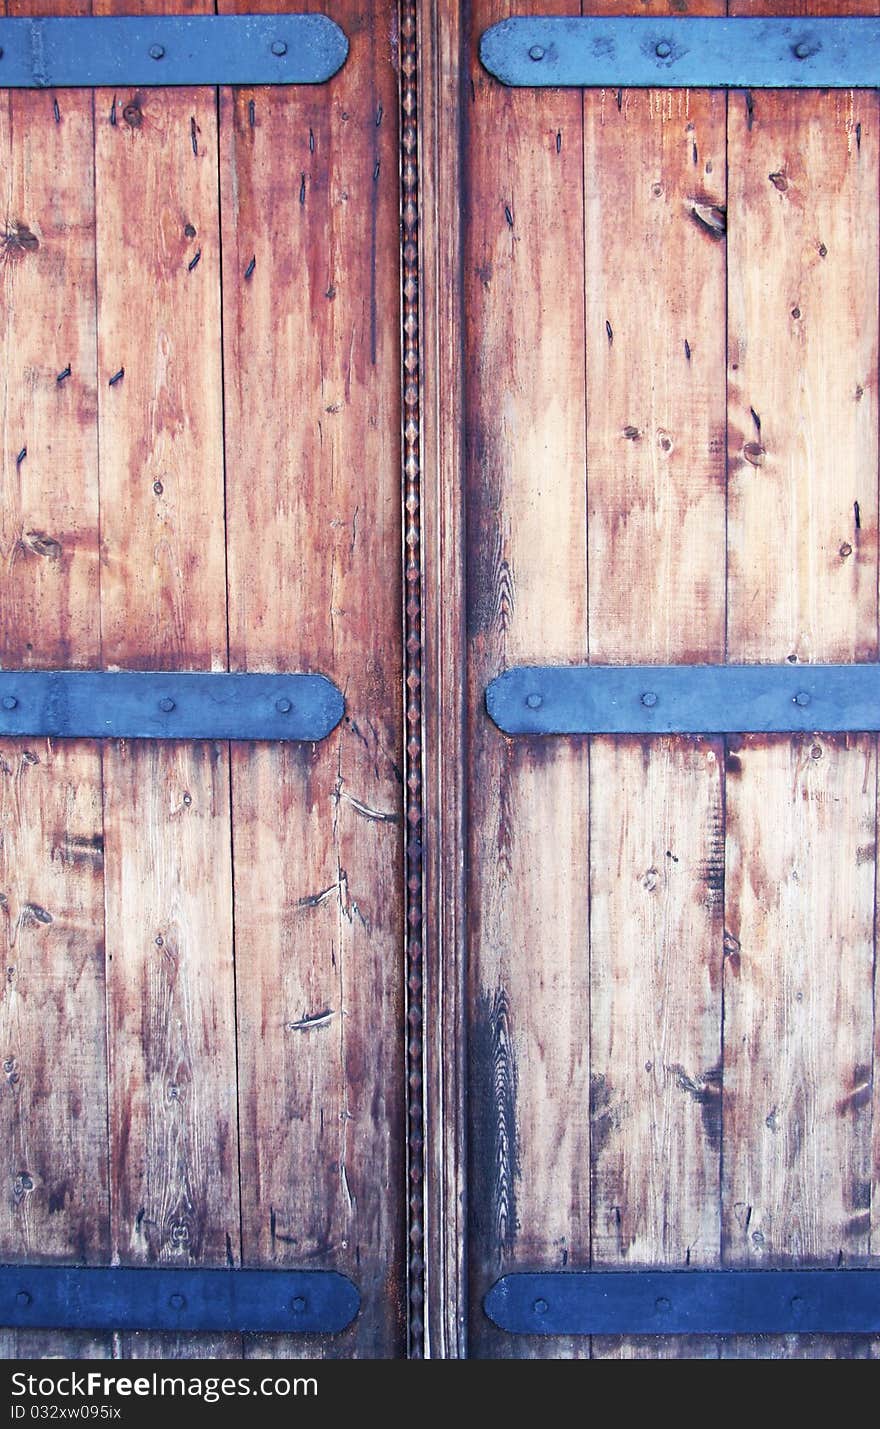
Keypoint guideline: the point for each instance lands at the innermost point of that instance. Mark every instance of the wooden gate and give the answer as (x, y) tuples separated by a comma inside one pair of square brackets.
[(654, 321), (203, 1000), (590, 376)]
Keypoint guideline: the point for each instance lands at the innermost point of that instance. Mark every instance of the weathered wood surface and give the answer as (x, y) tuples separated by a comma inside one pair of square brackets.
[(171, 1026), (524, 373), (311, 320), (801, 848), (655, 318), (765, 223), (445, 711), (314, 537), (54, 1202)]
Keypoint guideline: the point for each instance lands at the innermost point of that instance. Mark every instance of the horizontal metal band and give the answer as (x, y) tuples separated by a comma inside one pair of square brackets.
[(136, 51), (97, 704), (63, 1297), (685, 699), (687, 1302), (643, 52)]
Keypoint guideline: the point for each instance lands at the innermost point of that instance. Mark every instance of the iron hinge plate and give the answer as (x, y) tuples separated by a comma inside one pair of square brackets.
[(713, 53), (123, 1298), (139, 51), (125, 704), (687, 1302), (685, 699)]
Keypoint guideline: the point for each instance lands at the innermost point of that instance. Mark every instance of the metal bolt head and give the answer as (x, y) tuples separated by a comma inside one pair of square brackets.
[(298, 1304), (283, 706), (663, 49), (663, 1305), (534, 701), (9, 702), (24, 1298), (537, 52), (649, 699), (803, 50), (540, 1307), (801, 698), (279, 48), (177, 1301), (157, 52), (166, 704)]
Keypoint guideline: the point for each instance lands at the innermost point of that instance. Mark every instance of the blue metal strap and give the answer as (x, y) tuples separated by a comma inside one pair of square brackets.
[(136, 51), (643, 51), (97, 704), (71, 1298), (685, 699), (687, 1302)]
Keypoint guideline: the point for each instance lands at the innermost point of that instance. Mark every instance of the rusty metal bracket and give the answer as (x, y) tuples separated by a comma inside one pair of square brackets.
[(687, 1302), (139, 51), (713, 53), (62, 1297), (685, 699), (161, 704)]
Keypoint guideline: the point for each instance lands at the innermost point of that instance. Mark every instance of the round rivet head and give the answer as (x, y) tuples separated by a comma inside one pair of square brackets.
[(663, 50), (298, 1304), (802, 698), (540, 1307), (166, 704), (534, 701), (649, 699), (283, 706), (157, 52), (663, 1305), (279, 48), (803, 50), (24, 1298), (537, 52), (9, 702), (177, 1301)]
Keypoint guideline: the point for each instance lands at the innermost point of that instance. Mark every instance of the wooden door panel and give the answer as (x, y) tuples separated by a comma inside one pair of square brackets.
[(678, 482), (213, 483)]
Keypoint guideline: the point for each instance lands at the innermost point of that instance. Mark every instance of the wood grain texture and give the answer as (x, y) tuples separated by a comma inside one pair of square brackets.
[(803, 285), (798, 978), (174, 1183), (171, 1009), (656, 879), (655, 197), (803, 245), (655, 321), (445, 791), (160, 383), (311, 323), (54, 1203), (48, 456), (51, 837), (526, 600)]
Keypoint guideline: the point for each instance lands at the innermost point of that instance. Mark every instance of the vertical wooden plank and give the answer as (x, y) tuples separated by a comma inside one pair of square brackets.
[(441, 100), (656, 932), (160, 382), (173, 1115), (803, 587), (526, 601), (798, 989), (655, 196), (311, 323), (174, 1177), (54, 1130)]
